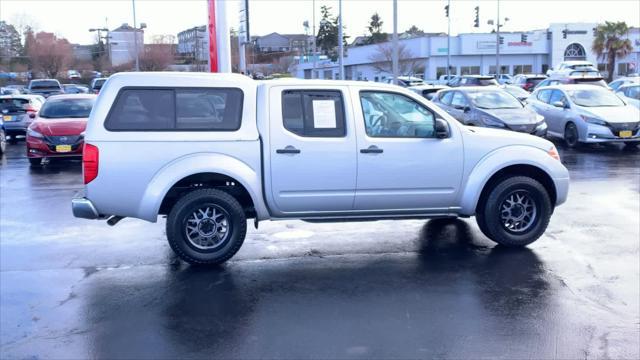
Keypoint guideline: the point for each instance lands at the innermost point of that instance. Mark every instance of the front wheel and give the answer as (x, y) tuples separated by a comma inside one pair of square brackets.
[(206, 227), (516, 211), (571, 137)]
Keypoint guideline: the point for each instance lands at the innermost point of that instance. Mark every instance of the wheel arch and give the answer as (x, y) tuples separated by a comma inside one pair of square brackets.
[(197, 171), (510, 161)]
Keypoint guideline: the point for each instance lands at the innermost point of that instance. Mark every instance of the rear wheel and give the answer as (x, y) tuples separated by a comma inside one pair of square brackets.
[(206, 227), (516, 211), (571, 135)]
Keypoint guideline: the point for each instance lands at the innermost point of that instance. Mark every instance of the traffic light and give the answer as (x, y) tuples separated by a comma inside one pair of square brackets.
[(446, 10), (564, 33), (523, 38), (476, 21), (501, 40)]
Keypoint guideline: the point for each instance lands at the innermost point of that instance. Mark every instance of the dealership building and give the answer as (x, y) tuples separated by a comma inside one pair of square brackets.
[(520, 52)]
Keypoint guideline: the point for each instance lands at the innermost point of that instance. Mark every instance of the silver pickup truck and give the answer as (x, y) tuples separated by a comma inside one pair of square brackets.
[(210, 151)]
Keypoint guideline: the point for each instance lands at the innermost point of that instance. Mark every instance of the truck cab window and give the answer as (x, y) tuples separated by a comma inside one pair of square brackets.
[(394, 115), (312, 113)]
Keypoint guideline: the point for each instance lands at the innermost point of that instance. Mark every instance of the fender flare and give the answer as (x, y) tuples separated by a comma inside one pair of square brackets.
[(196, 163), (502, 158)]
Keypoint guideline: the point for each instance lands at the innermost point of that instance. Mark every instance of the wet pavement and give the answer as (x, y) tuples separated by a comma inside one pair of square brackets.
[(72, 288)]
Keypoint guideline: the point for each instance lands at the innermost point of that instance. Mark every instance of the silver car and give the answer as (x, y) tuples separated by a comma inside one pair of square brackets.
[(490, 106), (630, 93), (586, 114)]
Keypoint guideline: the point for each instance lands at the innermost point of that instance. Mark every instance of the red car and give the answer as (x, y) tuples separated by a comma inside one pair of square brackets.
[(57, 130)]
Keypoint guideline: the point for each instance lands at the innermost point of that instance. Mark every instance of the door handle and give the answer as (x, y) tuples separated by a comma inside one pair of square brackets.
[(288, 150), (371, 150)]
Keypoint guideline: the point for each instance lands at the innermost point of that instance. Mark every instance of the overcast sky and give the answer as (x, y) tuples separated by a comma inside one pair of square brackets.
[(72, 18)]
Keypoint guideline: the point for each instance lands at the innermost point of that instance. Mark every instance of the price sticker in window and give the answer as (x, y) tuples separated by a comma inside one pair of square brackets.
[(324, 114)]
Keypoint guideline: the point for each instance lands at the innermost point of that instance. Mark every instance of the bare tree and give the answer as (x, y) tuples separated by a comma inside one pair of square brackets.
[(381, 59), (49, 54), (158, 55), (282, 65)]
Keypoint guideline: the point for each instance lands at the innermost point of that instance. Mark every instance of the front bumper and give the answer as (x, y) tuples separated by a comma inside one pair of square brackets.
[(600, 134), (562, 190), (43, 148), (83, 208)]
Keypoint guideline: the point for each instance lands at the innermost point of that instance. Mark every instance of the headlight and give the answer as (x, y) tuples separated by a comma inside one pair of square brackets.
[(592, 120), (539, 119), (33, 133), (489, 121)]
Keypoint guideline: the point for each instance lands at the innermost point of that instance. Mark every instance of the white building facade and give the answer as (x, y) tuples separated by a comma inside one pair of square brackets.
[(122, 44), (520, 52)]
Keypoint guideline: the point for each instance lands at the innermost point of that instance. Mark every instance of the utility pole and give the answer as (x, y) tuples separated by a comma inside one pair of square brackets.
[(313, 68), (340, 41), (394, 53), (135, 35), (448, 8)]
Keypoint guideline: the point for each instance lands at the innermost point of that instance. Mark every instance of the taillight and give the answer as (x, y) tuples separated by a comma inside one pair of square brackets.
[(30, 108), (90, 155)]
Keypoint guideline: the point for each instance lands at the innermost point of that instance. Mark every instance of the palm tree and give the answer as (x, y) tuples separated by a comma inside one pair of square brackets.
[(609, 44)]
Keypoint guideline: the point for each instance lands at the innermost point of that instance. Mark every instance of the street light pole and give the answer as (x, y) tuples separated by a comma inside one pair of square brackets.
[(135, 35), (448, 39), (498, 42), (340, 42), (394, 53)]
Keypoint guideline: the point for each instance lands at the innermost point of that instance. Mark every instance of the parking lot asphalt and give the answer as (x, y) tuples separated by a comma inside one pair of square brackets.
[(72, 288)]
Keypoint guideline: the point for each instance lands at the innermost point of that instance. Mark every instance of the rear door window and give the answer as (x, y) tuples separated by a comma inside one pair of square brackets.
[(313, 113)]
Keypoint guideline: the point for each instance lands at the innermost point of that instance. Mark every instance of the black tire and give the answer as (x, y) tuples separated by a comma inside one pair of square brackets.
[(3, 142), (35, 162), (631, 146), (177, 220), (571, 136), (489, 214)]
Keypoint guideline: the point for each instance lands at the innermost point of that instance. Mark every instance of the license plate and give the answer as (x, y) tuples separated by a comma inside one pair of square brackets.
[(63, 148), (625, 133), (7, 118)]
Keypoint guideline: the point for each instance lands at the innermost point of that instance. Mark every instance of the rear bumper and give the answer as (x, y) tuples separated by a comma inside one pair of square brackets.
[(83, 208)]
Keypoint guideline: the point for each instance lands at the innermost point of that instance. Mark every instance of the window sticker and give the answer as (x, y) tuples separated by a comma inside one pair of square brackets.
[(324, 114)]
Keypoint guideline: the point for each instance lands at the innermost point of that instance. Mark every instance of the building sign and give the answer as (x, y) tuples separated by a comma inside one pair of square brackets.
[(486, 45), (518, 43), (577, 32)]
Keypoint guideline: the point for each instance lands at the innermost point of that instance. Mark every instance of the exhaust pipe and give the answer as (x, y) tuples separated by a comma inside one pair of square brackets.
[(114, 220)]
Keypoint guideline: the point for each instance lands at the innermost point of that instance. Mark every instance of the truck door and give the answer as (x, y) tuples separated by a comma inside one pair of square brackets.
[(312, 150), (401, 164)]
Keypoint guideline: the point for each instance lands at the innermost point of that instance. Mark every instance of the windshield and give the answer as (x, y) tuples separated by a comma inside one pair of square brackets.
[(487, 82), (47, 84), (494, 100), (517, 91), (594, 97), (66, 108)]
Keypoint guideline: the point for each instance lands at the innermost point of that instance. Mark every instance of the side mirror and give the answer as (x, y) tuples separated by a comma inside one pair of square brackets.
[(442, 129), (558, 104), (466, 109)]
